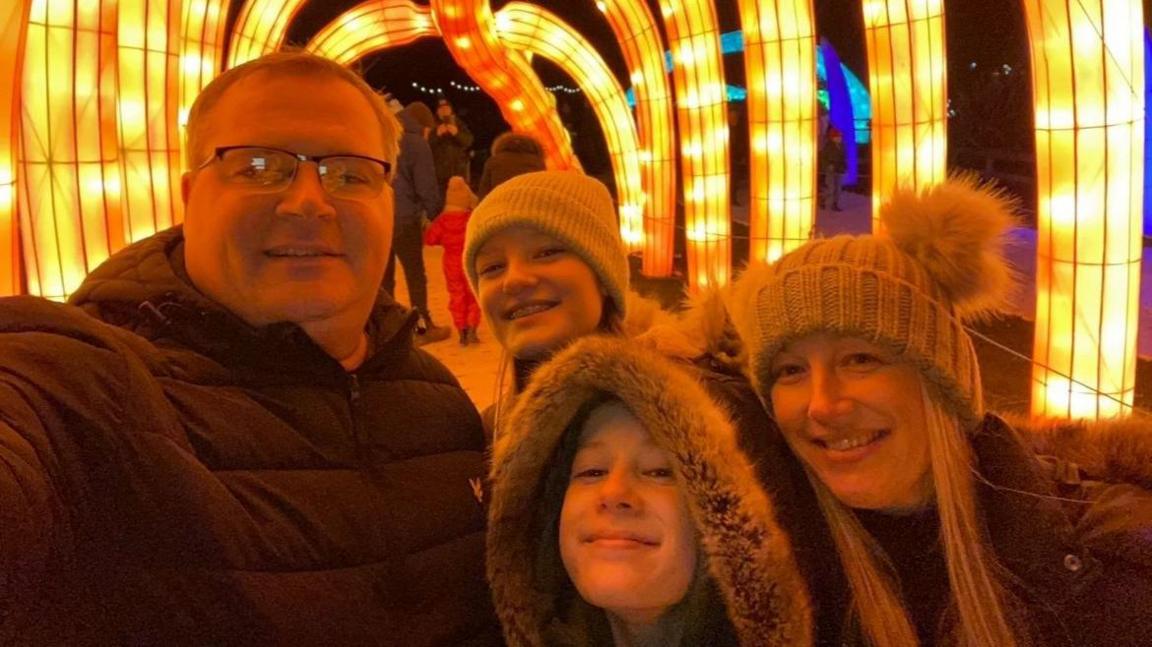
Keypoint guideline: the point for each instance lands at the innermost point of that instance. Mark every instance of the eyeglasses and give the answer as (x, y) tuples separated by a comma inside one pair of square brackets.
[(268, 170)]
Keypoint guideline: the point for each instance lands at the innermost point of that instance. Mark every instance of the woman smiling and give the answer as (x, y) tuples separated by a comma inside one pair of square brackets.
[(950, 528)]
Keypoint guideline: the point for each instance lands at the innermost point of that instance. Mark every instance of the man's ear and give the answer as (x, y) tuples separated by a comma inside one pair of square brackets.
[(186, 186)]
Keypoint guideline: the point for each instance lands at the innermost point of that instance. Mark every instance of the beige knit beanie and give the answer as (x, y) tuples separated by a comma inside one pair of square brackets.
[(567, 205), (940, 264)]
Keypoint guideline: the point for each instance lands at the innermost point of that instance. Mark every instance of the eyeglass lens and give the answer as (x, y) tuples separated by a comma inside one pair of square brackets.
[(345, 177)]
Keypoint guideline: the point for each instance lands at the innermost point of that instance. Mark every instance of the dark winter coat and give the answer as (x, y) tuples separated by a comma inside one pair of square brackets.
[(451, 151), (512, 154), (762, 599), (1068, 511), (181, 478), (415, 186)]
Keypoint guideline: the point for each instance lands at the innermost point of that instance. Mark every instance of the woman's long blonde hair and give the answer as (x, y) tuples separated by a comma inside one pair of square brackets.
[(980, 604)]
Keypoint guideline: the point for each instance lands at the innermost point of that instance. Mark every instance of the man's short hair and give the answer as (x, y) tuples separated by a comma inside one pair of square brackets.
[(287, 63)]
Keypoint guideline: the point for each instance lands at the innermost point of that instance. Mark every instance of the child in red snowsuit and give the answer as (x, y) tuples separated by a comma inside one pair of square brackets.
[(448, 230)]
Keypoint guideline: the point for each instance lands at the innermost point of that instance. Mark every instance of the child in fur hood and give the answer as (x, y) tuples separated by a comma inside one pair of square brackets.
[(624, 513), (448, 230)]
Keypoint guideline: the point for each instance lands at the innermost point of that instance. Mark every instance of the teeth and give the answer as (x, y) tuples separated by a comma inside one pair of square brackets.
[(529, 310), (844, 444)]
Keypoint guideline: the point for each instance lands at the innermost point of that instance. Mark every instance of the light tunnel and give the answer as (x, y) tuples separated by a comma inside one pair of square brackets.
[(99, 91)]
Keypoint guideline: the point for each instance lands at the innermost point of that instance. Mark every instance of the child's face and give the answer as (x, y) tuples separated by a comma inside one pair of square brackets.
[(536, 294), (626, 536)]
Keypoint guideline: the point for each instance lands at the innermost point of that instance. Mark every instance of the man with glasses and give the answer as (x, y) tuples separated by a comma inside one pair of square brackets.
[(228, 437)]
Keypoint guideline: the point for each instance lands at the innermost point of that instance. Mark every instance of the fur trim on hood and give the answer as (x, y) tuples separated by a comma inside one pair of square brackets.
[(747, 554), (1115, 451), (702, 329)]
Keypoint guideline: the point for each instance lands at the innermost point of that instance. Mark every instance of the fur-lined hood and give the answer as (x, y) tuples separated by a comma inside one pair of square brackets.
[(748, 555), (1115, 451)]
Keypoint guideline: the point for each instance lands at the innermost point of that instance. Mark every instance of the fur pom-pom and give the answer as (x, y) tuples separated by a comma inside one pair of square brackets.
[(957, 231)]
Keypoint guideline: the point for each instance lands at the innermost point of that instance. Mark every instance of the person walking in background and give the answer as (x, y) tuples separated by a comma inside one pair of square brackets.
[(417, 196), (448, 230), (953, 526), (451, 142), (513, 154), (832, 166)]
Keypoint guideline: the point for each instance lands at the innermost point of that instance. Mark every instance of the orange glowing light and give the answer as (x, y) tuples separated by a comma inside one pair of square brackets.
[(202, 41), (149, 104), (643, 48), (13, 26), (701, 111), (68, 169), (906, 71), (529, 28), (780, 66), (1088, 88), (372, 26), (504, 74), (260, 28)]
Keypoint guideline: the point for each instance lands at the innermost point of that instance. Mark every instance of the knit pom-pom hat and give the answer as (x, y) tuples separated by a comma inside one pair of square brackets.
[(939, 264), (569, 206)]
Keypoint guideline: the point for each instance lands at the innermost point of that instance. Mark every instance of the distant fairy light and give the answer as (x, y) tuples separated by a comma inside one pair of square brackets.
[(463, 87)]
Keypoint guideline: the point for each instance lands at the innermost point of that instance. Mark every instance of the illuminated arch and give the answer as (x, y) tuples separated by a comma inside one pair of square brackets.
[(373, 26), (260, 28), (13, 27), (203, 36), (780, 64), (642, 46), (469, 30), (69, 173), (907, 79), (529, 28), (693, 36), (149, 101), (1088, 76)]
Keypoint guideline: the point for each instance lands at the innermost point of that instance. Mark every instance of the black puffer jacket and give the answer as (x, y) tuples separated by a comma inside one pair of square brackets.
[(182, 478)]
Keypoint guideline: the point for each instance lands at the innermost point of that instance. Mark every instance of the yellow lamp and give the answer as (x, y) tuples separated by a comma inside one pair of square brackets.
[(149, 102), (906, 72), (260, 28), (69, 174), (701, 111), (13, 26), (469, 30), (636, 30), (1088, 88), (372, 26), (529, 28), (780, 65), (202, 41)]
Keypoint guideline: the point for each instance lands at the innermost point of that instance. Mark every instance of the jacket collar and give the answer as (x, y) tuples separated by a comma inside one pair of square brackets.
[(1026, 522), (145, 288)]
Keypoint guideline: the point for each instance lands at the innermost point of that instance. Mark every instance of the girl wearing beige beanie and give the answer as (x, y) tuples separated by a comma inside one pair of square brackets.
[(949, 527)]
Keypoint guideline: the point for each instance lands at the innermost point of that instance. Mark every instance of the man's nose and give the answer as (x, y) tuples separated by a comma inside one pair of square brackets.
[(618, 492), (305, 194)]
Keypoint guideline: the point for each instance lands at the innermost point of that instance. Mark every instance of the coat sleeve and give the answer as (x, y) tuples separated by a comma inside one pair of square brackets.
[(424, 180)]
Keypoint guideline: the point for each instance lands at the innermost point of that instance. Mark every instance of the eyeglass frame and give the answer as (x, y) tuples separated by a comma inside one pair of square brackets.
[(219, 151)]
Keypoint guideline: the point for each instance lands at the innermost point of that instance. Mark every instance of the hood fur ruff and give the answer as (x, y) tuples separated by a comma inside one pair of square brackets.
[(747, 554), (1115, 451)]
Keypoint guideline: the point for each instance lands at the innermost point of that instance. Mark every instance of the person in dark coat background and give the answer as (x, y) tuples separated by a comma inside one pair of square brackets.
[(451, 142), (228, 438), (417, 197), (513, 154)]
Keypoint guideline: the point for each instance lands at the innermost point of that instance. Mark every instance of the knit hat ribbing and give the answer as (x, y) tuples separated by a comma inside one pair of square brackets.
[(910, 291), (567, 205)]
